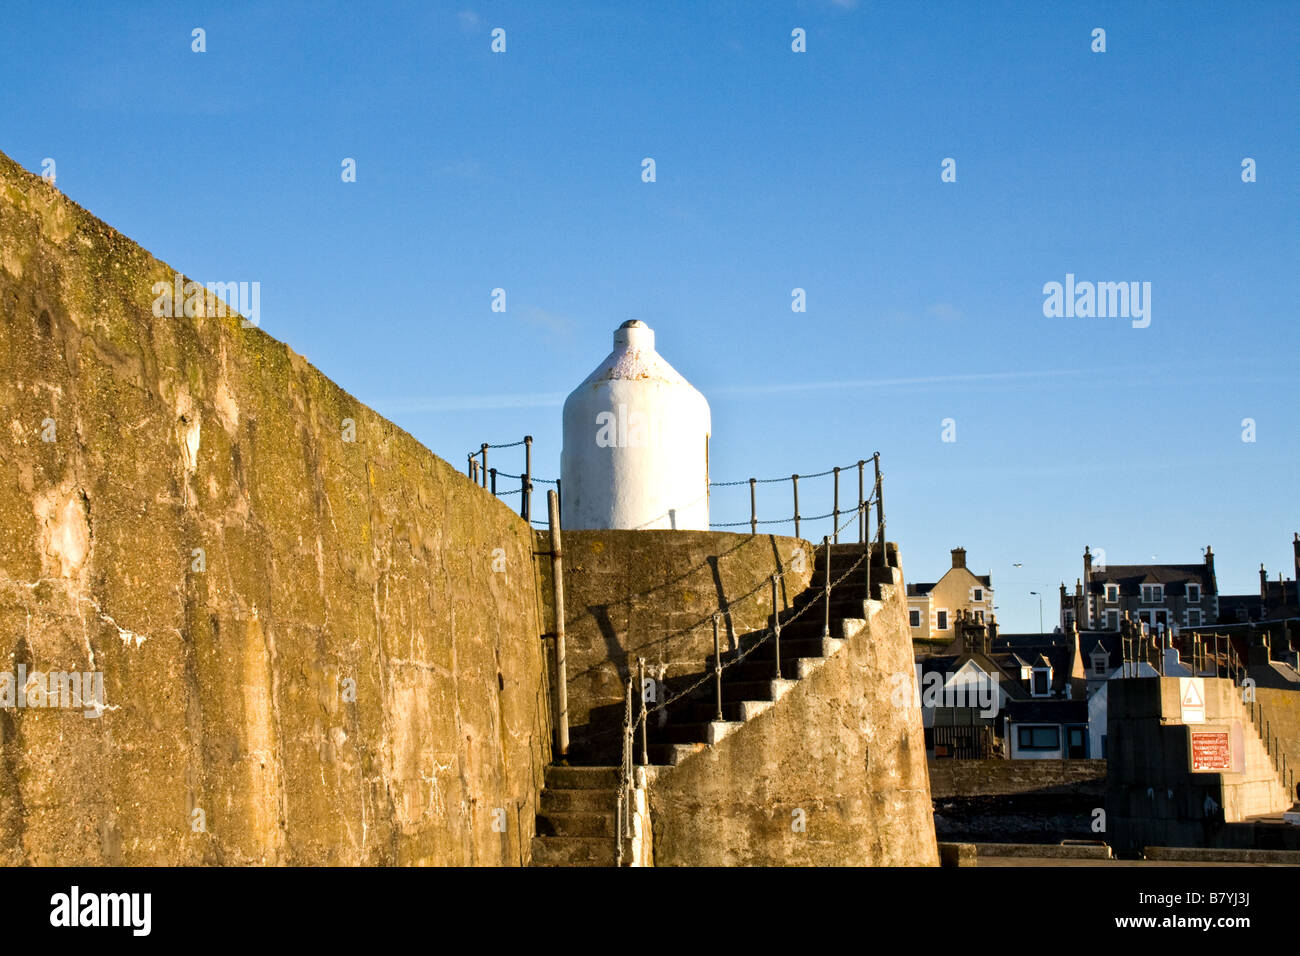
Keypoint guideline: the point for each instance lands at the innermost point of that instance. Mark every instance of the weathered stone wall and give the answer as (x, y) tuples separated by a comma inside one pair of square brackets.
[(652, 594), (837, 746), (1153, 798), (977, 778), (326, 562), (1281, 711), (1018, 801)]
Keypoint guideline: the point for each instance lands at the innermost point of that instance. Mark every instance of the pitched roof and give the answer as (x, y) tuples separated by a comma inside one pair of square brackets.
[(1131, 577)]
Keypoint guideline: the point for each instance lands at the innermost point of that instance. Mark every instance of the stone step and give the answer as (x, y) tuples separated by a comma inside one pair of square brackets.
[(582, 778), (577, 801), (750, 670), (573, 851), (662, 755), (576, 824)]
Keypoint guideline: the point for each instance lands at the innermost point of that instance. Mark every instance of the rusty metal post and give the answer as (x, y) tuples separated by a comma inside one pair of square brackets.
[(717, 664), (753, 507), (469, 468), (561, 667), (795, 479), (483, 450), (492, 473)]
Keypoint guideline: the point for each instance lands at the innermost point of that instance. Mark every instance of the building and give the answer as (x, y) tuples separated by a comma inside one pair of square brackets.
[(1276, 600), (1022, 696), (1162, 596), (933, 608)]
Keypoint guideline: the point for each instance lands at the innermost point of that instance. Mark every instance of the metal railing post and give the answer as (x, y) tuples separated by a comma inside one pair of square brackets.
[(492, 473), (866, 544), (717, 664), (826, 621), (836, 508), (880, 508), (640, 668), (526, 506), (557, 583), (776, 625), (753, 506), (484, 452), (795, 479), (469, 468)]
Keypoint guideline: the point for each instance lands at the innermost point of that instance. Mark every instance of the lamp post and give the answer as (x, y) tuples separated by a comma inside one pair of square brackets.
[(1040, 610)]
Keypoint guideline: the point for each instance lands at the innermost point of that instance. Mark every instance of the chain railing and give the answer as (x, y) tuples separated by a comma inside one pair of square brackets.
[(623, 827), (797, 518), (488, 477), (481, 474)]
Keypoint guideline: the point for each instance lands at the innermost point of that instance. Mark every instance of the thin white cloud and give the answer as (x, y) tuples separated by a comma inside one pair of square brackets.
[(457, 403)]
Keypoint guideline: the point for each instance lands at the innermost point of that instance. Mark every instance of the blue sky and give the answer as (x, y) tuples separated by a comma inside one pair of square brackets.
[(775, 170)]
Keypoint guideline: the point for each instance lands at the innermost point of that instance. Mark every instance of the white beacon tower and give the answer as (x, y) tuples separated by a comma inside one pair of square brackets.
[(636, 443)]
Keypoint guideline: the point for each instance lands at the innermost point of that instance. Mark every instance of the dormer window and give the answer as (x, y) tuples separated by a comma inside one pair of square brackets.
[(1100, 663), (1041, 685), (1193, 594), (1112, 594), (1153, 593)]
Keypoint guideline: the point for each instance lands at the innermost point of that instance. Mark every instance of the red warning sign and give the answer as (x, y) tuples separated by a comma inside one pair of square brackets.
[(1211, 750)]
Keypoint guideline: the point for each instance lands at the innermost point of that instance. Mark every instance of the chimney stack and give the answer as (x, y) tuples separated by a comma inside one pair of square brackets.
[(1263, 585), (1295, 545), (959, 557), (1209, 567), (1087, 587)]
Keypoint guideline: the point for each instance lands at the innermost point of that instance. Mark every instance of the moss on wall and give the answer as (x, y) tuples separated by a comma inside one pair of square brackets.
[(327, 565)]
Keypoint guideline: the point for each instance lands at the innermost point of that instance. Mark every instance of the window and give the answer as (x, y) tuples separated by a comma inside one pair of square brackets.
[(1100, 662), (1042, 685), (1193, 594), (1112, 620), (1039, 738), (942, 618), (1194, 617), (1153, 593), (914, 617), (1112, 594), (979, 616), (977, 595)]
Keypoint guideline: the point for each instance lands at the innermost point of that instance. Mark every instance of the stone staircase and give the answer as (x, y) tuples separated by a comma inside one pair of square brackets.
[(575, 824), (577, 820), (752, 686)]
